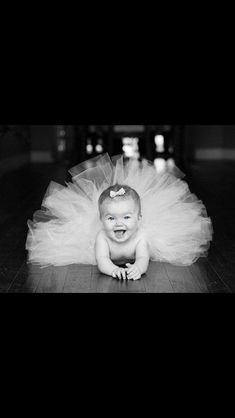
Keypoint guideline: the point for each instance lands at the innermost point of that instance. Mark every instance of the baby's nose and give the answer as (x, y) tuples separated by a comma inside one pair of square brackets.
[(119, 222)]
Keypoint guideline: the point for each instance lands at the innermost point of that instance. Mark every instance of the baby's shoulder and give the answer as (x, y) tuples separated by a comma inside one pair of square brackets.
[(141, 237), (101, 241), (142, 242), (101, 236)]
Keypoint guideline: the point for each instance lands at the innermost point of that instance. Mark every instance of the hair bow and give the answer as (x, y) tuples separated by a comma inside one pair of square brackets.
[(121, 192)]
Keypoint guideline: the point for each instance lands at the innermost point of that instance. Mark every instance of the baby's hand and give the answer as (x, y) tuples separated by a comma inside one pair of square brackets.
[(120, 273), (133, 272)]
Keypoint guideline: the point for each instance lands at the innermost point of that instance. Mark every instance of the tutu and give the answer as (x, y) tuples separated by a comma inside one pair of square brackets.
[(174, 221)]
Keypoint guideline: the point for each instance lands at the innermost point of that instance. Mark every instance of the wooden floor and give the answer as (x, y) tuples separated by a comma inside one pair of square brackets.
[(21, 195)]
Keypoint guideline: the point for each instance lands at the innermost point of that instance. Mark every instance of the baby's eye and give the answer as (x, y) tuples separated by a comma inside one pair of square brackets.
[(127, 217), (110, 218)]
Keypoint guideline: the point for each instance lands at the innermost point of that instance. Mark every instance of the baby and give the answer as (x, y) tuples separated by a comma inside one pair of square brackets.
[(121, 241)]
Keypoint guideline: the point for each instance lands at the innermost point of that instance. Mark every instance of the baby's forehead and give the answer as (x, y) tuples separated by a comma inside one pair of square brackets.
[(119, 206)]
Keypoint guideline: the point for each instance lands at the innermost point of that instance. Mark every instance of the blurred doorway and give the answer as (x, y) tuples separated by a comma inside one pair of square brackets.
[(153, 142), (63, 143)]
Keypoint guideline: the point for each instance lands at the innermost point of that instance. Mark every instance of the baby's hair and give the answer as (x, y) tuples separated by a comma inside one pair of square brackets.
[(129, 193)]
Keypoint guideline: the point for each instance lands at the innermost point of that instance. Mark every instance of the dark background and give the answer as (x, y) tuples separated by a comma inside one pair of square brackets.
[(23, 144)]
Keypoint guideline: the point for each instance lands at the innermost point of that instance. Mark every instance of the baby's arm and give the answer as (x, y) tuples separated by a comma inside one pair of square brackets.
[(105, 265), (141, 264), (142, 256)]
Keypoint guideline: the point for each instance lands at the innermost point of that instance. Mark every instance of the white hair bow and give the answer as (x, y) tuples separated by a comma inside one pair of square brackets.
[(121, 192)]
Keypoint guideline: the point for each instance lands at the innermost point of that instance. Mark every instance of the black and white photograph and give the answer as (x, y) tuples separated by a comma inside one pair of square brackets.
[(117, 208)]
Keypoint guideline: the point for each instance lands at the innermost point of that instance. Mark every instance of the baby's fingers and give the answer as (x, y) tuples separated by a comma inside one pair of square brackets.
[(130, 275), (131, 270), (134, 276), (123, 274), (119, 274), (115, 273)]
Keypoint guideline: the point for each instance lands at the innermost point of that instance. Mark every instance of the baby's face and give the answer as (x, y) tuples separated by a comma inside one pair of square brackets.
[(120, 219)]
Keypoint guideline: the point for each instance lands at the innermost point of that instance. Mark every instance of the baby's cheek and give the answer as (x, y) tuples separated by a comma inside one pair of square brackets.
[(108, 227), (134, 224)]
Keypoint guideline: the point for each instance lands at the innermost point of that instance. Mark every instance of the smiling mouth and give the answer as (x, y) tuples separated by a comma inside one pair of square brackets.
[(119, 233)]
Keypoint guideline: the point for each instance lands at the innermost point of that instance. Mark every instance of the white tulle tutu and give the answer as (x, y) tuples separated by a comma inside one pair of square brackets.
[(174, 221)]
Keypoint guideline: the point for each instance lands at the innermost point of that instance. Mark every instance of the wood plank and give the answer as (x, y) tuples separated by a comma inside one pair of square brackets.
[(9, 270), (199, 278), (156, 279), (205, 273), (106, 284), (220, 261), (52, 280), (27, 279), (181, 279), (21, 290), (7, 276), (78, 279)]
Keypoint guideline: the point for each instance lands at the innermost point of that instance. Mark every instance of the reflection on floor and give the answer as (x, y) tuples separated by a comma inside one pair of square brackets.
[(21, 195), (160, 278)]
